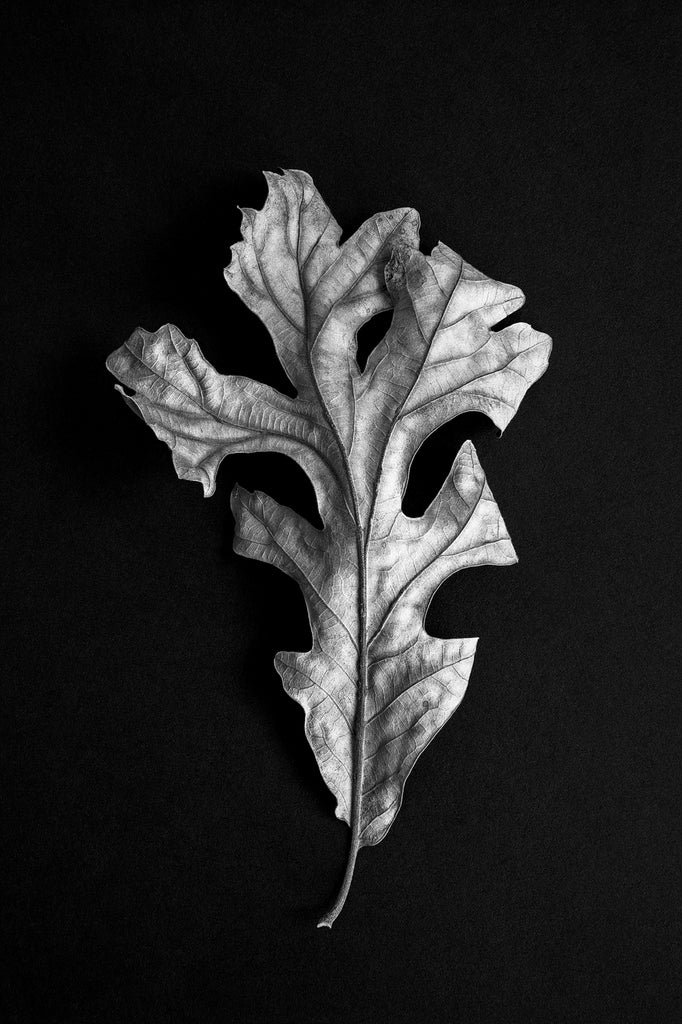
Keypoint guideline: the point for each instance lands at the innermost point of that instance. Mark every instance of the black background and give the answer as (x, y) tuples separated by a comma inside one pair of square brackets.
[(170, 843)]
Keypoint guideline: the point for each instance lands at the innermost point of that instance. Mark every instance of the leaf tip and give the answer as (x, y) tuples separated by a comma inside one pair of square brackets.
[(303, 176), (236, 499), (194, 473), (467, 461)]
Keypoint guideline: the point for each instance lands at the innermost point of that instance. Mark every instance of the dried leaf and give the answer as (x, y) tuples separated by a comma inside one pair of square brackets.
[(375, 687)]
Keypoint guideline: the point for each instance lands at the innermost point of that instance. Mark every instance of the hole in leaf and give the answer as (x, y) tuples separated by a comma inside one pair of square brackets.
[(370, 334), (435, 457)]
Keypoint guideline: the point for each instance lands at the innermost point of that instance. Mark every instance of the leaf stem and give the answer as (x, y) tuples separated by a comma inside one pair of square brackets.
[(359, 725), (328, 920)]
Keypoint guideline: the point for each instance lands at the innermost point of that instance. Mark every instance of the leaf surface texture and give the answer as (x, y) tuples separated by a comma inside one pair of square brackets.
[(375, 687)]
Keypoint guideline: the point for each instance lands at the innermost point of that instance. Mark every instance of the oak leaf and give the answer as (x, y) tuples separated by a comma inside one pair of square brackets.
[(375, 687)]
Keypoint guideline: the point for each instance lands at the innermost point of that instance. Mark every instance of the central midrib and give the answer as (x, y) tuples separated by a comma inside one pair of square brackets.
[(361, 551), (357, 774)]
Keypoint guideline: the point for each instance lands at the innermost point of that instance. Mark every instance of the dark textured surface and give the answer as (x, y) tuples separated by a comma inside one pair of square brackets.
[(164, 812)]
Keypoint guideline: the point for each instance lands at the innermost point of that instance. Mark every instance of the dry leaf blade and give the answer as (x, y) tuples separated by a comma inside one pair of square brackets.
[(375, 687)]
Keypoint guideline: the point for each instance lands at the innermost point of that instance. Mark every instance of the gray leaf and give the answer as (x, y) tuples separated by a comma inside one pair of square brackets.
[(375, 687)]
